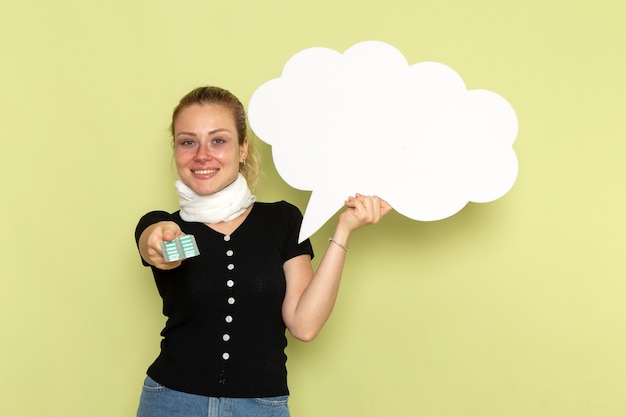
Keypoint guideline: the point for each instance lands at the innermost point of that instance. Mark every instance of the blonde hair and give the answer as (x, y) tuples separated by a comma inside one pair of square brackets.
[(216, 95)]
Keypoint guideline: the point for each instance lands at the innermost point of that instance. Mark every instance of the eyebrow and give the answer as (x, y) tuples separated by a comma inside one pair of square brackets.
[(212, 132)]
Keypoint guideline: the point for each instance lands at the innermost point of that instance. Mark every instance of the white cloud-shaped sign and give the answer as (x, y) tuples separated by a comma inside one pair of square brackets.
[(367, 122)]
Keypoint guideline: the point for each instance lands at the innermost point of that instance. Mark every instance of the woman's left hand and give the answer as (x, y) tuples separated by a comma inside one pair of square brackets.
[(362, 210)]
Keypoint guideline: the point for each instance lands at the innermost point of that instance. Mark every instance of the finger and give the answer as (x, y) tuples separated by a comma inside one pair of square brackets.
[(154, 244), (373, 209), (168, 235), (352, 201), (385, 207), (370, 209), (359, 204), (376, 207), (172, 232)]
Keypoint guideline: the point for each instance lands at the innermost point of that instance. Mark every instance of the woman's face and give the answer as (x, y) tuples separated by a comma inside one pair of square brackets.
[(206, 147)]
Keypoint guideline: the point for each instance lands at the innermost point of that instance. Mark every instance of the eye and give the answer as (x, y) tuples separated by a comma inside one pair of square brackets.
[(186, 142), (218, 141)]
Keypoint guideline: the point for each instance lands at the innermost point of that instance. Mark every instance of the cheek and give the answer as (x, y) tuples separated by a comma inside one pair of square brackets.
[(224, 156), (180, 159)]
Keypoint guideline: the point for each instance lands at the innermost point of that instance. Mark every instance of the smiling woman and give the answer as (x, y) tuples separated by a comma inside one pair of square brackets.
[(228, 308)]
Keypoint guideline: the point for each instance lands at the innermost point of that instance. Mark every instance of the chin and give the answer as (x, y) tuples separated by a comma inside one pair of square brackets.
[(204, 191)]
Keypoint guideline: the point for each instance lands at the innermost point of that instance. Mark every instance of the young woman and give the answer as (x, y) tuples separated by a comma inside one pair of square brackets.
[(222, 352)]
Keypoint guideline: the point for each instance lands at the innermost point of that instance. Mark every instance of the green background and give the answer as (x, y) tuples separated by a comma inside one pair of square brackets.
[(512, 308)]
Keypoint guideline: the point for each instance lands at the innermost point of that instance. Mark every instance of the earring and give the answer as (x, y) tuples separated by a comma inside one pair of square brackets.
[(243, 163)]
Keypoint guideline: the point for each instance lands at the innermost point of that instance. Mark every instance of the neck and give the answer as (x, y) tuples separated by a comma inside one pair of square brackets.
[(222, 206)]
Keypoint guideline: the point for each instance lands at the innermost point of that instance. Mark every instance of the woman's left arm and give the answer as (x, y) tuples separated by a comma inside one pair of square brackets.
[(311, 295)]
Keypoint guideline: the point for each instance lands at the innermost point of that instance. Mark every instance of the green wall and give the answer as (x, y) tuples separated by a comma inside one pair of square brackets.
[(512, 308)]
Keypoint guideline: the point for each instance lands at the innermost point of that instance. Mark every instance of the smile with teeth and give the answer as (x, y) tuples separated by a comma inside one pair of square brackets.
[(204, 171)]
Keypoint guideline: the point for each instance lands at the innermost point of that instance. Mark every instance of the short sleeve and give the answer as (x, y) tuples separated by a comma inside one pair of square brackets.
[(149, 219), (293, 221)]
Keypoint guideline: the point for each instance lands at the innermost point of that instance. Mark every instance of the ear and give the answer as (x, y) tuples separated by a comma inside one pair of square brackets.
[(243, 150)]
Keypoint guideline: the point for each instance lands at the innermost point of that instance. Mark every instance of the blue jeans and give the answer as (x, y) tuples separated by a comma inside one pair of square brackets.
[(159, 401)]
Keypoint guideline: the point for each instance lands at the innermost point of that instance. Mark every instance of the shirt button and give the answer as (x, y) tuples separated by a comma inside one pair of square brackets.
[(226, 337), (228, 319), (229, 253), (225, 356), (231, 300), (226, 238), (230, 267), (230, 283)]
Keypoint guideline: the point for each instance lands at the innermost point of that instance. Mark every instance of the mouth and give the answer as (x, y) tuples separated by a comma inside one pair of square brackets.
[(204, 171)]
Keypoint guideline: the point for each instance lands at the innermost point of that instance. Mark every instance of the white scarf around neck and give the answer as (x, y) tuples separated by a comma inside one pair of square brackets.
[(222, 206)]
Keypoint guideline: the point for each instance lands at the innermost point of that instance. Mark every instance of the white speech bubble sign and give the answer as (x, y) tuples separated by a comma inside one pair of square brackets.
[(367, 122)]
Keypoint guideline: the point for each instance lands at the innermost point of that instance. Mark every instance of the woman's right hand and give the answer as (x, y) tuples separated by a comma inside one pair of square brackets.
[(150, 243)]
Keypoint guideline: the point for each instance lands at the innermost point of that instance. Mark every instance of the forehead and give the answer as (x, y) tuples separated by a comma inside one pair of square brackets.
[(204, 116)]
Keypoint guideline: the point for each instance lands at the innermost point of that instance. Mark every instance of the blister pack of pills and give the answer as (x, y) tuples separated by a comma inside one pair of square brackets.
[(180, 248)]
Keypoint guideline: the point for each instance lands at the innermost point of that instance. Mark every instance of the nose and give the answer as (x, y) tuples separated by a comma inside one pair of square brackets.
[(203, 153)]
